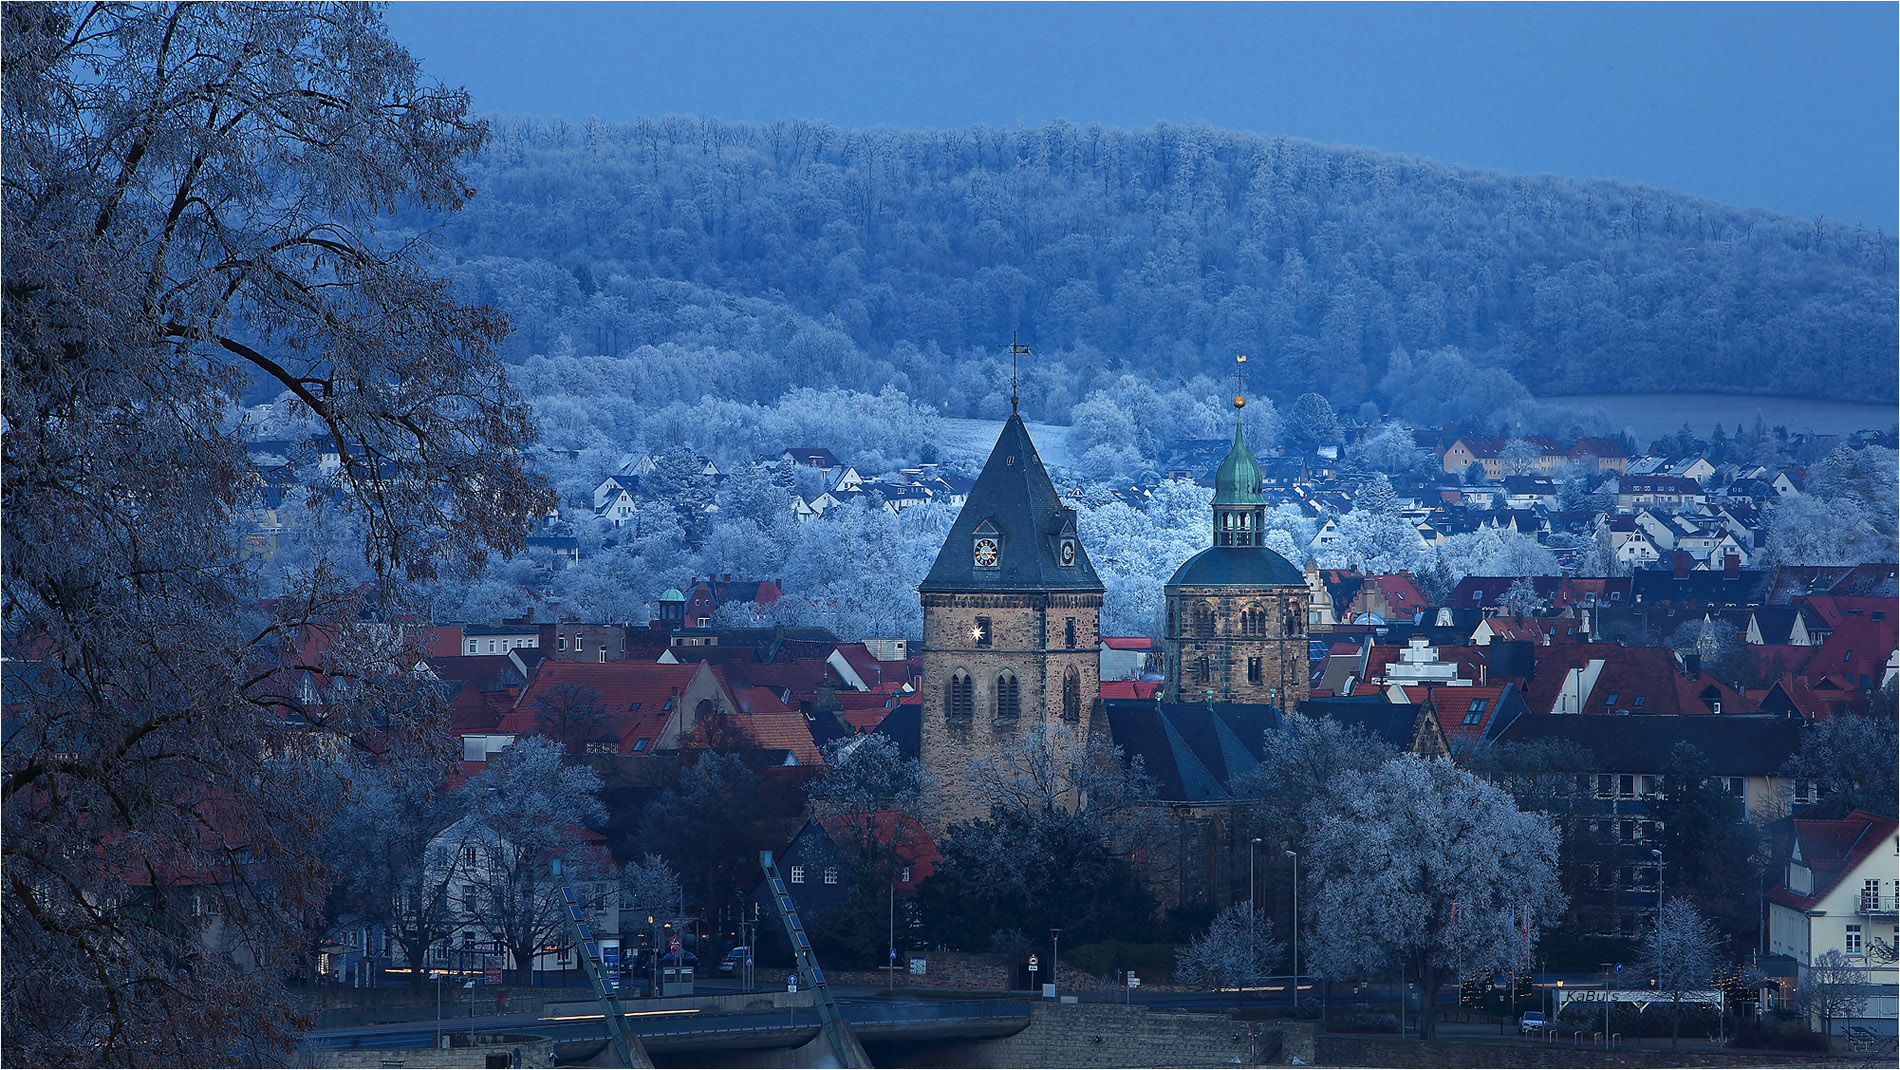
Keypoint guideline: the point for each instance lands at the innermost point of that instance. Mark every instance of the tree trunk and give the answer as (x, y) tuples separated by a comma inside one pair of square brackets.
[(1675, 1023), (1427, 999)]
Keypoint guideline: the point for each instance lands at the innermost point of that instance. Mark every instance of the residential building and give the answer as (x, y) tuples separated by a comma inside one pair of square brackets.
[(1838, 894)]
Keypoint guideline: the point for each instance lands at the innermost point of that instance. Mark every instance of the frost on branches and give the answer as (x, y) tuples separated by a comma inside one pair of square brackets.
[(1424, 867), (191, 197)]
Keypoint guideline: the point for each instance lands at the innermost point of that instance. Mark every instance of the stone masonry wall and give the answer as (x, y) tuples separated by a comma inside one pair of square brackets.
[(1282, 650), (956, 970), (1106, 1035), (1390, 1051), (1028, 636)]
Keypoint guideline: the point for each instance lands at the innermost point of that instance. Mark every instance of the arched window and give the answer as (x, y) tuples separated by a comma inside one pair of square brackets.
[(1008, 696), (961, 705), (1072, 696), (1200, 669), (1253, 621), (1203, 619), (1255, 670), (1069, 633)]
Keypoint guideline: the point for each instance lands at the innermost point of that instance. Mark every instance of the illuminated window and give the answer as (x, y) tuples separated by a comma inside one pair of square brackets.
[(831, 874), (980, 632), (798, 874)]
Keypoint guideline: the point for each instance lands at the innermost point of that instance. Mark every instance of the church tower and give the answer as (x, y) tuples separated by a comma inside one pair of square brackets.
[(1011, 608), (1236, 612)]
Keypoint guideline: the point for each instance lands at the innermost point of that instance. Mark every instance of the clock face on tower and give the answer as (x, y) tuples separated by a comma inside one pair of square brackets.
[(1068, 552), (986, 553)]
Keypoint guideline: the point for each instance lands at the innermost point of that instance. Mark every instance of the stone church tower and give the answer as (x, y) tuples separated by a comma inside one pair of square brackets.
[(1236, 612), (1010, 623)]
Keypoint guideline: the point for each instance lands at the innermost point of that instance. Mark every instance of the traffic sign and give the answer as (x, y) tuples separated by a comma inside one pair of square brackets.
[(1619, 967), (491, 974), (893, 954), (1133, 981), (791, 982), (1033, 963)]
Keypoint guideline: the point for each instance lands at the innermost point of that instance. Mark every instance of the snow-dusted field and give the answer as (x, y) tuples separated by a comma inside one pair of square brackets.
[(972, 439)]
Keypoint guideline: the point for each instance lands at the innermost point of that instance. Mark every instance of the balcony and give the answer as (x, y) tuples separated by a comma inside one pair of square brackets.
[(1876, 906)]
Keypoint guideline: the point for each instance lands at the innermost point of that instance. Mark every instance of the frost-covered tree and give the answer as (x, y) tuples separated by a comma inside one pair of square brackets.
[(1311, 421), (526, 808), (195, 199), (1375, 537), (1424, 866), (1521, 599), (1836, 987), (1391, 448), (1850, 758), (1681, 954), (1301, 763), (1805, 529), (387, 874), (1050, 766), (1236, 951), (1491, 552)]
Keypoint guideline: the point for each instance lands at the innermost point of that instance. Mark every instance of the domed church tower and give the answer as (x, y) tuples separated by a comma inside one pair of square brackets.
[(1010, 616), (1236, 612)]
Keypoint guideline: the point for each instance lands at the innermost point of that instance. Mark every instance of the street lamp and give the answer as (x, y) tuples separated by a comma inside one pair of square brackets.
[(1295, 856), (1657, 855), (1251, 847), (1055, 959), (471, 1012)]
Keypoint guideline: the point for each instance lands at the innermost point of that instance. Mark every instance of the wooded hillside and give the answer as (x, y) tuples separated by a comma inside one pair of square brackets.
[(799, 254)]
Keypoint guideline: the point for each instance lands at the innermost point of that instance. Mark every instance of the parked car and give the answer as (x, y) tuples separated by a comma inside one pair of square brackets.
[(733, 960), (1531, 1022)]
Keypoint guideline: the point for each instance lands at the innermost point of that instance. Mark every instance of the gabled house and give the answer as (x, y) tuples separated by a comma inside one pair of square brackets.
[(1838, 894)]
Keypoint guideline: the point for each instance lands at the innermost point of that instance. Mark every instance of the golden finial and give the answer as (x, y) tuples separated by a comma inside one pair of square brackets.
[(1240, 390)]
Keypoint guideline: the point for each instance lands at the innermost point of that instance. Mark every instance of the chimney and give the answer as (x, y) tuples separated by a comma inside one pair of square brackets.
[(1732, 566), (1682, 564)]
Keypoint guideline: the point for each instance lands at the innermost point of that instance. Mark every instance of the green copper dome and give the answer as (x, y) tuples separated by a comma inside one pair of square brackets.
[(672, 594), (1238, 480)]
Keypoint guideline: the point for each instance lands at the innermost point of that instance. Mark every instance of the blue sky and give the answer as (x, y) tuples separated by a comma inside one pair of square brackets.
[(1792, 107)]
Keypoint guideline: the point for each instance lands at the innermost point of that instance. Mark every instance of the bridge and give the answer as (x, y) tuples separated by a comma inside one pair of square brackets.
[(709, 1024)]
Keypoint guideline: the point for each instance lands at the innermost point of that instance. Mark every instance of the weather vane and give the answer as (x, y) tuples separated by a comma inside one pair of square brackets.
[(1016, 349), (1240, 390)]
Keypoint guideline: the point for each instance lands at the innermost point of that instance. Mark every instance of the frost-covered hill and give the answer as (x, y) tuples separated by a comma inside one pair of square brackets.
[(799, 254)]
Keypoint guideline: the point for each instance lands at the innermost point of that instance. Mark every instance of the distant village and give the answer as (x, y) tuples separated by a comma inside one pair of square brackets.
[(1685, 639)]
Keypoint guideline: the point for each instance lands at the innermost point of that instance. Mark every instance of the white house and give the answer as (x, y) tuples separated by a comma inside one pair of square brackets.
[(1838, 895), (493, 891), (498, 638)]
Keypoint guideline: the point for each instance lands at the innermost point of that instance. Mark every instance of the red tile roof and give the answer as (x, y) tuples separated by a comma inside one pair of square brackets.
[(901, 832), (639, 698), (1130, 689), (1130, 642), (1831, 850), (771, 731), (1859, 645)]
